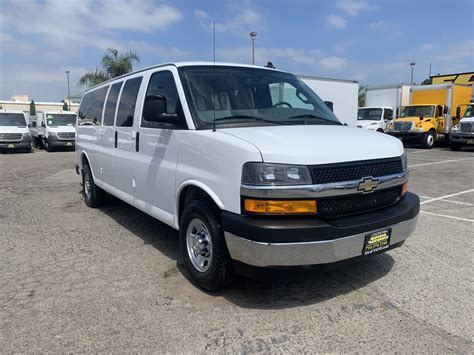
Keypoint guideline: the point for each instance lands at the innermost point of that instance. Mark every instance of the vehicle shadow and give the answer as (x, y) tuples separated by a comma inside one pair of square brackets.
[(266, 289)]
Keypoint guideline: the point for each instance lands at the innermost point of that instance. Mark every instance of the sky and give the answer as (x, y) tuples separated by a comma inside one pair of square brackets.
[(370, 41)]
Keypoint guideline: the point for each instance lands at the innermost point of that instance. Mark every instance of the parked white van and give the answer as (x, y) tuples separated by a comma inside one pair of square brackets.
[(14, 133), (463, 133), (374, 118), (246, 178), (54, 129)]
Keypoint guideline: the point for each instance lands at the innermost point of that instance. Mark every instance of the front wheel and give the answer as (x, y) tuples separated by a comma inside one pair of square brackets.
[(455, 146), (46, 145), (94, 196), (429, 140), (203, 247)]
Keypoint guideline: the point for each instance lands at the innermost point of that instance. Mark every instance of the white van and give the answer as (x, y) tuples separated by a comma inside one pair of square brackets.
[(374, 118), (54, 129), (463, 133), (14, 133), (246, 178)]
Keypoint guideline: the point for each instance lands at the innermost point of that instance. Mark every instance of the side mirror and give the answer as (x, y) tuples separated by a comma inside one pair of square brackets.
[(330, 104), (154, 110), (445, 110), (29, 125), (33, 124), (42, 124), (458, 112)]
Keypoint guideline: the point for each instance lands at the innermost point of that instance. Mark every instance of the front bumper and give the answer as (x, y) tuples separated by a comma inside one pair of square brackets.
[(24, 143), (464, 138), (297, 242), (54, 141), (407, 135)]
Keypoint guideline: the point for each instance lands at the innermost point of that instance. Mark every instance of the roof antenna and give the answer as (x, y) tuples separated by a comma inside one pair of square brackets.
[(214, 89)]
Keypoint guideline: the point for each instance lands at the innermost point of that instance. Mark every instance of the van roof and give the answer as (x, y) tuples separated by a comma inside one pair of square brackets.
[(12, 111), (182, 64)]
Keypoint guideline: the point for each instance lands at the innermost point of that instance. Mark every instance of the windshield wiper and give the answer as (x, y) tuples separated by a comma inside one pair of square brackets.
[(248, 117), (310, 115)]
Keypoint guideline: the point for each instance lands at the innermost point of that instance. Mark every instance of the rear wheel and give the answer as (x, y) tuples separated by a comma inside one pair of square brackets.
[(429, 140), (94, 196), (455, 146), (203, 247)]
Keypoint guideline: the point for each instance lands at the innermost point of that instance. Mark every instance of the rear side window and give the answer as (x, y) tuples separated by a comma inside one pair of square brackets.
[(90, 112), (127, 103), (111, 104)]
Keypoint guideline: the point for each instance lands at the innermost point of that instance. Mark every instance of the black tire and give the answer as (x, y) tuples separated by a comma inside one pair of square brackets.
[(380, 130), (429, 140), (28, 150), (95, 196), (46, 145), (455, 146), (219, 267)]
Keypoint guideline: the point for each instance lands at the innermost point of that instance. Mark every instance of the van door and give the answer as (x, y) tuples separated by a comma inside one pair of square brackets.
[(124, 140), (158, 149), (387, 117), (107, 136)]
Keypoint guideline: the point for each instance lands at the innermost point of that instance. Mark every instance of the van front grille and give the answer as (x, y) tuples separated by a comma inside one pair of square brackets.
[(342, 206), (10, 137), (467, 127), (67, 135), (324, 174)]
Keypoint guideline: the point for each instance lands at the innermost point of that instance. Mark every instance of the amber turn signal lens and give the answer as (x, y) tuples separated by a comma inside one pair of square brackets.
[(280, 206), (404, 188)]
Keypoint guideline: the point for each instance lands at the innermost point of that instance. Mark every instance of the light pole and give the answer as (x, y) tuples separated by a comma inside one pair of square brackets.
[(412, 65), (68, 91), (252, 36)]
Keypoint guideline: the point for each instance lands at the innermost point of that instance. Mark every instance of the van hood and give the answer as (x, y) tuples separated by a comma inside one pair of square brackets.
[(13, 129), (314, 144), (466, 120), (368, 123)]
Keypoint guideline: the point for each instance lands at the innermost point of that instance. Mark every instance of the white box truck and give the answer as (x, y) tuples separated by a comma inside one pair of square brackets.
[(343, 94), (393, 96)]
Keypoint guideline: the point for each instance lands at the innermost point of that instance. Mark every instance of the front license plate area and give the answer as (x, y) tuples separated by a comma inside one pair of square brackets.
[(376, 241), (69, 144), (470, 141), (11, 146)]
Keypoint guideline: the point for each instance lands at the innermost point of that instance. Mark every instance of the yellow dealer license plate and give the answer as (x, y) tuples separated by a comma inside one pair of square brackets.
[(470, 141), (68, 143), (376, 241), (11, 146)]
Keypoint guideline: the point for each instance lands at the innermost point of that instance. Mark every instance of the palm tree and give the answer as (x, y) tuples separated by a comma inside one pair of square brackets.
[(113, 64)]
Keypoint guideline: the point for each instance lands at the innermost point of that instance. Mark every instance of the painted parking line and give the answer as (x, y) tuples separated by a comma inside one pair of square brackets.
[(439, 162), (446, 196), (446, 216)]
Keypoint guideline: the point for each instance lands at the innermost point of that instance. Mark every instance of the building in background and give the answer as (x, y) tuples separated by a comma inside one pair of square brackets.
[(22, 103)]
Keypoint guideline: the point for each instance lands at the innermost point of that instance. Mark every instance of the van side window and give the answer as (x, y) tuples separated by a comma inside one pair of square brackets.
[(111, 104), (128, 99), (388, 114), (90, 112), (162, 83)]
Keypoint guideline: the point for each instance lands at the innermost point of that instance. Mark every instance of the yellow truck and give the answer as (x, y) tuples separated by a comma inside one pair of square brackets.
[(432, 111)]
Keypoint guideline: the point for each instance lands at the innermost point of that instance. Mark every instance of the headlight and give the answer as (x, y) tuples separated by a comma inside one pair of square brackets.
[(404, 162), (455, 128), (52, 134), (275, 174)]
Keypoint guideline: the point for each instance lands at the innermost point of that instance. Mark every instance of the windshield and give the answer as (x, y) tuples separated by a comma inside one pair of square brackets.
[(374, 114), (12, 119), (242, 97), (469, 111), (60, 119), (418, 111)]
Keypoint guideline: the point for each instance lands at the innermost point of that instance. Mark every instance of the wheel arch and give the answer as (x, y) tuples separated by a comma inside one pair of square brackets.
[(197, 188)]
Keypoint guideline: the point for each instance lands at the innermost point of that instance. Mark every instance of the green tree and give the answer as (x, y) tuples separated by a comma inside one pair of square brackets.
[(113, 64), (32, 108), (65, 106)]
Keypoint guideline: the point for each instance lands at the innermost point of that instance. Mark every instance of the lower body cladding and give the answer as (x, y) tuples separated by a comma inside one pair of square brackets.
[(23, 144), (462, 138), (408, 135), (56, 142), (298, 242)]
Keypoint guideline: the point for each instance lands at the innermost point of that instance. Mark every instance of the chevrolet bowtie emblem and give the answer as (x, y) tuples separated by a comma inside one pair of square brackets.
[(368, 184)]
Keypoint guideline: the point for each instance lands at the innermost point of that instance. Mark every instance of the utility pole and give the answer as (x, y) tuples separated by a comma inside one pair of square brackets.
[(68, 91), (252, 36), (412, 70)]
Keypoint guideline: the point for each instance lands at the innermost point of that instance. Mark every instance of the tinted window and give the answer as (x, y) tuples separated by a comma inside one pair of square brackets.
[(111, 104), (388, 114), (127, 103), (162, 83), (12, 119), (90, 112)]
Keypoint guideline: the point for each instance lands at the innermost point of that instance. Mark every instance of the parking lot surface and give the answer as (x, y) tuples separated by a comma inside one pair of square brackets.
[(105, 280)]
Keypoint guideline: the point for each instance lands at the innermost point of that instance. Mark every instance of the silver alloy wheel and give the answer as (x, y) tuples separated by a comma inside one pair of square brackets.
[(199, 245), (430, 139), (87, 186)]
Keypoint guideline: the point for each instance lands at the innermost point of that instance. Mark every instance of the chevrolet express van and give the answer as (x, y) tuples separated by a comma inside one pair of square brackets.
[(14, 133), (54, 129), (247, 174), (375, 118)]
